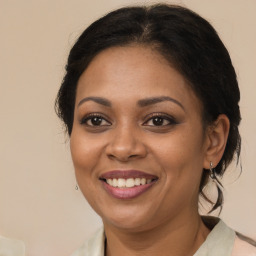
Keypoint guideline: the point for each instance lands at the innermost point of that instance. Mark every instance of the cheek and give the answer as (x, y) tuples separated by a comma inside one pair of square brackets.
[(85, 156), (181, 157), (181, 147), (85, 153), (182, 161)]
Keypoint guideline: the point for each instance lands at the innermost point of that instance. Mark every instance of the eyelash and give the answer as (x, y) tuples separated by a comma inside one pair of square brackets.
[(91, 116), (162, 116)]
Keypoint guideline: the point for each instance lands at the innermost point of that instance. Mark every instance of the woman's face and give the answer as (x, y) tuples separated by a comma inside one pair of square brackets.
[(137, 142)]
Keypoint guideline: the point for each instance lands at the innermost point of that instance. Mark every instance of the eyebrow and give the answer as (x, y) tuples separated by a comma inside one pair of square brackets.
[(98, 100), (140, 103), (154, 100)]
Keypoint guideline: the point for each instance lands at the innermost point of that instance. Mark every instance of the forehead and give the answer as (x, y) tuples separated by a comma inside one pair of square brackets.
[(133, 72)]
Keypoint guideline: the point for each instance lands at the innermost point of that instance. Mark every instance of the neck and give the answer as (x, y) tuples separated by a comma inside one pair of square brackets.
[(179, 238)]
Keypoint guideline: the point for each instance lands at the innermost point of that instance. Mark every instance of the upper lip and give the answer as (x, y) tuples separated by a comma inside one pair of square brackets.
[(125, 174)]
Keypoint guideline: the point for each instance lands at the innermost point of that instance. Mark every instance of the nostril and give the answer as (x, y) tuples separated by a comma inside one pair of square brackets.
[(119, 157), (125, 150), (133, 156)]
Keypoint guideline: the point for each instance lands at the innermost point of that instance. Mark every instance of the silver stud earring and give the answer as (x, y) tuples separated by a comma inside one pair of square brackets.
[(76, 187)]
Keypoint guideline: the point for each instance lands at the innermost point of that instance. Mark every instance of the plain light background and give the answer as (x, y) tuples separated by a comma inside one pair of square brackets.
[(38, 200)]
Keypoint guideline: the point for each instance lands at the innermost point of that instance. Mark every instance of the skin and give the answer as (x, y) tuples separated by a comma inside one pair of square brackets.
[(165, 216)]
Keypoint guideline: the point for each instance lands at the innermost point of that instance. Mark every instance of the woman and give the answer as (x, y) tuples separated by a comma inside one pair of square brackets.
[(150, 102)]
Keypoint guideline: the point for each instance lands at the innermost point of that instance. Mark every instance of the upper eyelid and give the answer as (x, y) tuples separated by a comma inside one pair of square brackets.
[(145, 119), (169, 119), (91, 115), (159, 114)]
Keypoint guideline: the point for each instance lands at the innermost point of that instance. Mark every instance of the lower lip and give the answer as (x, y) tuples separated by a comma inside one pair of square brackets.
[(127, 193)]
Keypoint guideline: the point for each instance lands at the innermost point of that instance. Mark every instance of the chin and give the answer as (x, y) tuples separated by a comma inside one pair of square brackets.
[(128, 219)]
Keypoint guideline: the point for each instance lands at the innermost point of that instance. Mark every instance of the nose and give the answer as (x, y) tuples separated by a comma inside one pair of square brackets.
[(126, 144)]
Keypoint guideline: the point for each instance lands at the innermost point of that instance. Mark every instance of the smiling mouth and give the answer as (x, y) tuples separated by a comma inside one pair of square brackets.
[(127, 184)]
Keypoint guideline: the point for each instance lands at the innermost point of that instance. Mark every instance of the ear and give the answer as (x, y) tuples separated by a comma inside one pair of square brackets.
[(216, 140)]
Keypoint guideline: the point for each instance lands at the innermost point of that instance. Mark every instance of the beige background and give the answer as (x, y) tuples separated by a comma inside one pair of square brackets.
[(38, 200)]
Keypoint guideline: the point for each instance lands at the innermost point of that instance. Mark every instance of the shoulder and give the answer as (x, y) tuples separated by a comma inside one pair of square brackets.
[(244, 246), (93, 246)]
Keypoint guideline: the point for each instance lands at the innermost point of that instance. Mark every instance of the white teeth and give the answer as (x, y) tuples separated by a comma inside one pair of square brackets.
[(115, 183), (110, 182), (137, 181), (121, 183), (128, 183)]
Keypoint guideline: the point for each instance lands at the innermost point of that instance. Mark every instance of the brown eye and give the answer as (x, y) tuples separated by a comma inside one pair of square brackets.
[(157, 121), (94, 120)]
